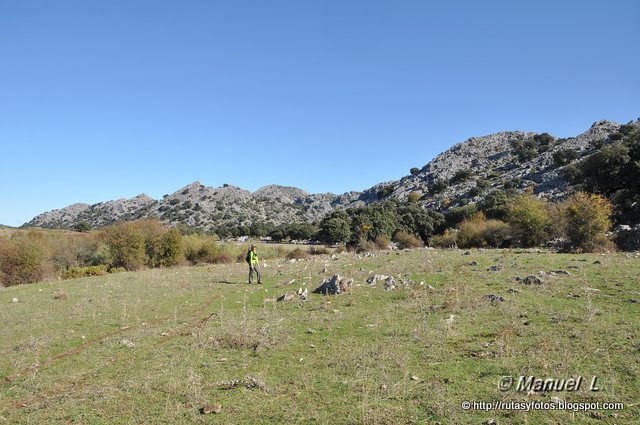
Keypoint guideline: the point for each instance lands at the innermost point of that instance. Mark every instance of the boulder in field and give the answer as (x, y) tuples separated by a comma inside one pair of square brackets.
[(334, 285)]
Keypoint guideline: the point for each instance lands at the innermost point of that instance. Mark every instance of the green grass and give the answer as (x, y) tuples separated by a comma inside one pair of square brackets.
[(341, 359)]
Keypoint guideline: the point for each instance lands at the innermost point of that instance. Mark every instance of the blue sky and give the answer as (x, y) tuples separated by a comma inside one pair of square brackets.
[(109, 99)]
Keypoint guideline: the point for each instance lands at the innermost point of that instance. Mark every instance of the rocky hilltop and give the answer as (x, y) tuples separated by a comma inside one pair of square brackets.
[(495, 161), (465, 173)]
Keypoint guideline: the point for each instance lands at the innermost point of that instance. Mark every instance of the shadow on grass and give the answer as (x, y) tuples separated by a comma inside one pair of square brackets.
[(229, 282)]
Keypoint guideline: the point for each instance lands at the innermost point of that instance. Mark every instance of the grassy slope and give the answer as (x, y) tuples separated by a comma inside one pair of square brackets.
[(345, 359)]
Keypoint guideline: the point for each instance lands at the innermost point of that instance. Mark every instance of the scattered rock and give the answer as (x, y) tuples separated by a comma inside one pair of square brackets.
[(211, 408), (14, 300), (513, 291), (450, 319), (334, 285), (492, 298), (248, 382), (127, 343), (415, 378), (287, 296), (311, 331), (376, 277), (466, 253), (303, 293), (473, 263), (389, 284), (530, 280), (561, 272), (572, 267), (632, 301), (572, 295), (389, 281), (597, 262), (495, 268)]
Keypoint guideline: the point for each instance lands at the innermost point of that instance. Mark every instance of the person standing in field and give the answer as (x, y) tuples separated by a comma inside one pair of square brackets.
[(254, 264)]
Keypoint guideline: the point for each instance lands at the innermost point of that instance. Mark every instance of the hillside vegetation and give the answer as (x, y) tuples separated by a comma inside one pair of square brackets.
[(156, 346)]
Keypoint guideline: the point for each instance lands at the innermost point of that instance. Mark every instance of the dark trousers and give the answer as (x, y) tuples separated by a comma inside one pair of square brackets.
[(254, 268)]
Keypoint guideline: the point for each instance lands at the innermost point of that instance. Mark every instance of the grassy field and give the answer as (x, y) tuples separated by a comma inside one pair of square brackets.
[(156, 346)]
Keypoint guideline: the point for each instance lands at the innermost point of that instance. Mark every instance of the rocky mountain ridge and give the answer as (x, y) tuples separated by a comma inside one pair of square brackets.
[(464, 173)]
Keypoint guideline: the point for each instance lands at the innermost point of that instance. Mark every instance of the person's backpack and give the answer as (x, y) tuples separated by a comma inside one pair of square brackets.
[(248, 257)]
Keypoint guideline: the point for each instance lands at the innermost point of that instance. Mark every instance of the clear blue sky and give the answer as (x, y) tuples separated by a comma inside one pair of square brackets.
[(108, 99)]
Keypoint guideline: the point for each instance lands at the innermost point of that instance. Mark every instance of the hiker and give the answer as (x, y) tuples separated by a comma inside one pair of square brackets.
[(254, 264)]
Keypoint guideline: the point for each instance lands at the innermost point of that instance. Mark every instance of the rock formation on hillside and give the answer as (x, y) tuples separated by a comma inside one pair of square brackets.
[(466, 172)]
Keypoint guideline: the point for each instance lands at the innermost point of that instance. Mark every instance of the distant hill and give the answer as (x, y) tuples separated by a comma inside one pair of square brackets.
[(465, 173), (6, 230)]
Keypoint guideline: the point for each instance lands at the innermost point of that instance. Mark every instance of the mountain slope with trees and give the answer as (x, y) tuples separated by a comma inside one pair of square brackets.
[(468, 173)]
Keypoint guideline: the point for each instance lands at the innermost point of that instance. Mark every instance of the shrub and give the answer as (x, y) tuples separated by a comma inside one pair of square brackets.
[(439, 186), (414, 171), (167, 249), (67, 250), (382, 242), (483, 183), (405, 240), (512, 184), (21, 261), (335, 228), (457, 215), (373, 220), (588, 220), (496, 204), (543, 141), (365, 246), (319, 250), (470, 233), (413, 197), (341, 248), (83, 226), (77, 272), (525, 150), (461, 176), (416, 220), (384, 191), (475, 191), (297, 254), (564, 156), (206, 253), (529, 219), (497, 234), (126, 244), (448, 239), (477, 231), (613, 171), (222, 257)]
